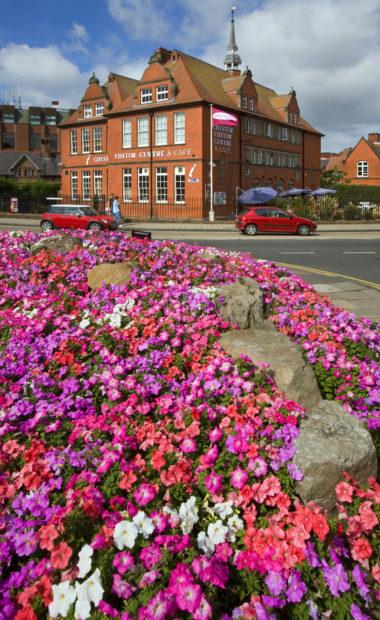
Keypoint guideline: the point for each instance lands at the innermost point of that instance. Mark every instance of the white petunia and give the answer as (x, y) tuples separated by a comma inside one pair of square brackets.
[(234, 524), (85, 560), (125, 534), (90, 591), (217, 532), (143, 524), (84, 323), (223, 509), (205, 544), (63, 596), (188, 513)]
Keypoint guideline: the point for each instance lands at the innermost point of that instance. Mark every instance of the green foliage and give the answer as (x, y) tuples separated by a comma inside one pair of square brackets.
[(328, 384), (110, 484), (357, 193), (331, 178), (38, 188), (79, 529), (358, 349)]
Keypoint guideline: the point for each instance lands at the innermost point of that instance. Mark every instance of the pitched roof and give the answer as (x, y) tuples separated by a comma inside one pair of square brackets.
[(47, 165)]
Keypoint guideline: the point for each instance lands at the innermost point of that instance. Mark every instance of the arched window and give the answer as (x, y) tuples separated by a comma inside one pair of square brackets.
[(362, 169)]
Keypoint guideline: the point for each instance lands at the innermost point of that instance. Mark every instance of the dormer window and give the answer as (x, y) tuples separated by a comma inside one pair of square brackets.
[(244, 102), (162, 93), (146, 95), (99, 109), (87, 111), (251, 103)]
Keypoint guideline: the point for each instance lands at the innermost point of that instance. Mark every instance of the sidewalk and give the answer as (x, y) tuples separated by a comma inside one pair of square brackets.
[(222, 226)]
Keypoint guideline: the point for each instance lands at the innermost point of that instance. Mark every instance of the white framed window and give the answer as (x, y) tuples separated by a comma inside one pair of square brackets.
[(268, 130), (74, 185), (179, 184), (85, 140), (161, 129), (362, 169), (162, 93), (143, 184), (143, 131), (161, 184), (98, 182), (97, 137), (251, 103), (127, 134), (244, 102), (250, 126), (73, 142), (99, 109), (284, 133), (146, 95), (259, 156), (127, 185), (87, 111), (179, 128), (86, 185)]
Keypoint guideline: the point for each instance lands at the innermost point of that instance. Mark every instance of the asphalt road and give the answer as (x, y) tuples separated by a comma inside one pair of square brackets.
[(357, 258)]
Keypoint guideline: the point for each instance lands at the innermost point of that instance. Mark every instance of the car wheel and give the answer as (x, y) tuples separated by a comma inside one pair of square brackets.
[(46, 226), (250, 229), (94, 226), (303, 230)]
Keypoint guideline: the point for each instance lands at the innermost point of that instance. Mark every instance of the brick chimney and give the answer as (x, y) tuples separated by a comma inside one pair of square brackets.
[(374, 138)]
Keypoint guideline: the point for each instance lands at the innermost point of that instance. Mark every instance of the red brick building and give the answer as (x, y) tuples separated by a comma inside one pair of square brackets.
[(148, 141), (361, 164)]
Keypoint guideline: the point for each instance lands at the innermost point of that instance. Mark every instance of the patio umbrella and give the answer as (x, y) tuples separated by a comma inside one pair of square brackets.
[(257, 195), (294, 191), (323, 191)]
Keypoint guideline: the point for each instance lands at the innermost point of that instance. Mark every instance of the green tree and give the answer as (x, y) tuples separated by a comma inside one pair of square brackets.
[(331, 178)]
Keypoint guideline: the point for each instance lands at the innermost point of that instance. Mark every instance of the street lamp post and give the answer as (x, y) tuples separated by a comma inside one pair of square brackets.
[(211, 214)]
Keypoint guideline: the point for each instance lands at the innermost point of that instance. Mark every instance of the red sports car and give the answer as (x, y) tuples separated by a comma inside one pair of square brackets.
[(264, 218), (76, 216)]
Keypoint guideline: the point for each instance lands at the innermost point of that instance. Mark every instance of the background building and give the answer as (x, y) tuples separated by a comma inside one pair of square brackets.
[(148, 141), (29, 142), (361, 164)]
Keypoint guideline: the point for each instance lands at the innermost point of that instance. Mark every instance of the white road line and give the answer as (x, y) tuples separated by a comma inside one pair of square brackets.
[(359, 252), (297, 252)]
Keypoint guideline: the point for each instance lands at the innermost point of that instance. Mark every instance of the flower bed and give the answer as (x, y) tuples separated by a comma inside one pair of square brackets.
[(146, 475)]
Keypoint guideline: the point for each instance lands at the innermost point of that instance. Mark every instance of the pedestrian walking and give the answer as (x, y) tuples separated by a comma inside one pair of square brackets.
[(116, 209)]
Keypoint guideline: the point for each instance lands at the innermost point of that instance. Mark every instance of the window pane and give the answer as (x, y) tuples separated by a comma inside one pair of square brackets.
[(74, 185), (127, 185), (87, 111), (161, 130), (161, 185), (162, 93), (99, 109), (73, 142), (97, 139), (146, 95), (85, 140), (86, 185), (127, 134), (98, 182), (179, 184), (143, 184), (179, 128), (143, 131)]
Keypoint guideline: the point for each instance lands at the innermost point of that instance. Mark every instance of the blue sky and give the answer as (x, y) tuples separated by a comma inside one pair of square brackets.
[(328, 50)]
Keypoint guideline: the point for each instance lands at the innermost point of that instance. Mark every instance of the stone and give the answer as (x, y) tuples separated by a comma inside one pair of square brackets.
[(332, 441), (293, 376), (61, 244), (109, 273), (243, 304)]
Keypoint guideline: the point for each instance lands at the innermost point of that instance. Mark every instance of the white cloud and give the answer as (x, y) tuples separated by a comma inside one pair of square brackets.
[(43, 75), (144, 19), (78, 33)]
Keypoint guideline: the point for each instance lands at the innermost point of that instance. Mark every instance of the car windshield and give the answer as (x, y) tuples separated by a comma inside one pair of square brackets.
[(88, 211)]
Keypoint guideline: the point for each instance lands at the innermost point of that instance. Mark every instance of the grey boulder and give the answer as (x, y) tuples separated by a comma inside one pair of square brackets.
[(109, 273), (57, 244)]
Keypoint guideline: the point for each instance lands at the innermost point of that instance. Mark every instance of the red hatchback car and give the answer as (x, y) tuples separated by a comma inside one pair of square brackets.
[(264, 218), (76, 216)]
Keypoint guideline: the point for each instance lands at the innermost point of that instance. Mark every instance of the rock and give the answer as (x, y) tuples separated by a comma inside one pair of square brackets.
[(332, 441), (293, 376), (61, 244), (244, 304), (109, 273)]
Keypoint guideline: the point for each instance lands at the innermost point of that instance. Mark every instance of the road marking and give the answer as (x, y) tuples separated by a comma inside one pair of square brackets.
[(359, 252), (332, 274)]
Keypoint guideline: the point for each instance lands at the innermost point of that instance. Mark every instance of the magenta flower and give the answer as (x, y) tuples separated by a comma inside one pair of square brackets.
[(123, 562), (238, 478), (296, 587), (189, 597), (150, 556), (144, 494), (213, 483), (188, 445), (275, 582), (336, 578)]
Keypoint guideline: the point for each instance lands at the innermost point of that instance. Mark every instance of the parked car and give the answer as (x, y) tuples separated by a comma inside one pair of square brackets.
[(264, 218), (76, 216)]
